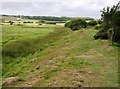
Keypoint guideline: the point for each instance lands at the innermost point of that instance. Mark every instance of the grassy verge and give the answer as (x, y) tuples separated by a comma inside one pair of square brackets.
[(67, 58)]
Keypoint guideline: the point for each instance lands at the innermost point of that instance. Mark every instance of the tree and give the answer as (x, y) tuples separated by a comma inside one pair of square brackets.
[(111, 22), (76, 24), (116, 27)]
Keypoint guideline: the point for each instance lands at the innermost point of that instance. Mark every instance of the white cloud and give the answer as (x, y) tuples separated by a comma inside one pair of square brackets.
[(89, 8)]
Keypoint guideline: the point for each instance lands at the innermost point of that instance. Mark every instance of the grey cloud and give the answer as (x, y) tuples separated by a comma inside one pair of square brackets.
[(69, 8)]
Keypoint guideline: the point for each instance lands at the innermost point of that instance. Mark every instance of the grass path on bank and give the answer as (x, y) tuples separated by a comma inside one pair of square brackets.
[(72, 59)]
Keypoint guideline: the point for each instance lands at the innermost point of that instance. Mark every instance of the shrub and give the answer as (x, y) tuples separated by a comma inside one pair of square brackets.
[(98, 27), (41, 21), (99, 21), (28, 22), (102, 34), (76, 24), (68, 24), (51, 23), (92, 23), (11, 22)]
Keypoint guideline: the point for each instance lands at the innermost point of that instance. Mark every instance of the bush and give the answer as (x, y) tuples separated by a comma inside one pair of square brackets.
[(41, 21), (98, 27), (99, 21), (11, 22), (92, 23), (68, 24), (102, 34), (104, 31), (51, 23), (40, 24), (76, 24), (28, 22)]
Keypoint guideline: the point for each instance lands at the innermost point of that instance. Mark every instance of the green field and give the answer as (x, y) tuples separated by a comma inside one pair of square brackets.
[(51, 55)]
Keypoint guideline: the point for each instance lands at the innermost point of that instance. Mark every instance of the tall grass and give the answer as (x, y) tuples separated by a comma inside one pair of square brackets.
[(30, 46)]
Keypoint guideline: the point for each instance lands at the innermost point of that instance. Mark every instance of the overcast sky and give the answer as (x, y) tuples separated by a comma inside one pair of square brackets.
[(80, 8)]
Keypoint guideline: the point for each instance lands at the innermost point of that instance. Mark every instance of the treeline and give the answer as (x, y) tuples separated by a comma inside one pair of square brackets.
[(48, 18)]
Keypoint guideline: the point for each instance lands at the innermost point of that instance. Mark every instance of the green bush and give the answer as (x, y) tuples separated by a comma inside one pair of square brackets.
[(102, 34), (41, 21), (68, 24), (51, 23), (11, 22), (98, 27), (92, 23), (76, 24), (28, 22), (99, 21)]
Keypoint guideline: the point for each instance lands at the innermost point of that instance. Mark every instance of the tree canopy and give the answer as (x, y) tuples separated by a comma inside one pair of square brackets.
[(111, 23)]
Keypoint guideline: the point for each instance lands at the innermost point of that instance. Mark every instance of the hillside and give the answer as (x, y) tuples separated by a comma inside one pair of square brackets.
[(56, 56)]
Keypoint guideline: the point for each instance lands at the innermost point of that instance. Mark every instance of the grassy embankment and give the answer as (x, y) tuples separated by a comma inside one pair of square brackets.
[(56, 56)]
